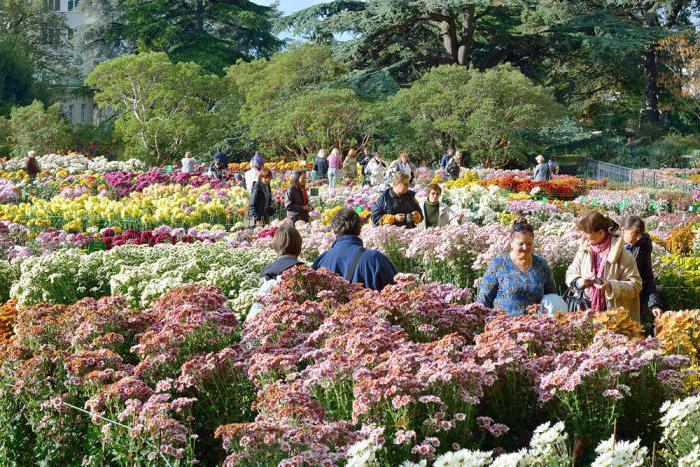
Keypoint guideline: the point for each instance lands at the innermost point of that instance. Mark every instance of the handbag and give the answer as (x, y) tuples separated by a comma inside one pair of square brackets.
[(576, 299)]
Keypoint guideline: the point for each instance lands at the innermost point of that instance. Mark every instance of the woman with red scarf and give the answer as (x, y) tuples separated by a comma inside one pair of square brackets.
[(604, 268), (297, 199)]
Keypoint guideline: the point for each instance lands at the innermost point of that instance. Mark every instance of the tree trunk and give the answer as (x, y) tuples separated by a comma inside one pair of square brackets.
[(449, 38), (651, 90), (468, 27)]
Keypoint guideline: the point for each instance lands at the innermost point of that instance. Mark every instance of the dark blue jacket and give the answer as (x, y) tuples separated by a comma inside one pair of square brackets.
[(321, 167), (444, 160), (389, 203), (374, 270), (221, 157), (281, 264)]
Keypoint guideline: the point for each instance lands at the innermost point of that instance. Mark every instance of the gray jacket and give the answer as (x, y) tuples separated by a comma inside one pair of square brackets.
[(542, 173)]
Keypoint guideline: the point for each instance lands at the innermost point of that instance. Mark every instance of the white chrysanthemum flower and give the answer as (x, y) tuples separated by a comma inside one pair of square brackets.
[(515, 459), (464, 458), (612, 453)]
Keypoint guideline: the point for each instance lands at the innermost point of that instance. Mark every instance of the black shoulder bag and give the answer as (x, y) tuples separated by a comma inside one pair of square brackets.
[(576, 299)]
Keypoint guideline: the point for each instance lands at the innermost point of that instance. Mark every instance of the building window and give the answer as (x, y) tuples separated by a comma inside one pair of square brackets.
[(73, 5), (82, 112), (50, 36), (70, 112), (54, 5)]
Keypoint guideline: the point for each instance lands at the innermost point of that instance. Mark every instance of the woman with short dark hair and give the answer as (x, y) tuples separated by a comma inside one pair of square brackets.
[(639, 244), (518, 279), (604, 268)]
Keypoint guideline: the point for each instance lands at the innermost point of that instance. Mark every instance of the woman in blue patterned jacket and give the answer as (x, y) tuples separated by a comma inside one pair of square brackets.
[(517, 279)]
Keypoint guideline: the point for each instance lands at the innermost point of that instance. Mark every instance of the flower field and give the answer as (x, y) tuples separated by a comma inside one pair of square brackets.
[(124, 297)]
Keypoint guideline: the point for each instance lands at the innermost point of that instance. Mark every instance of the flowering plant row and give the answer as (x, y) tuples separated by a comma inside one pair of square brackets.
[(414, 372)]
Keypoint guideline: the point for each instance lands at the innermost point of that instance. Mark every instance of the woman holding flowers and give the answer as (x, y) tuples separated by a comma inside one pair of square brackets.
[(519, 278), (260, 206), (297, 199), (604, 268)]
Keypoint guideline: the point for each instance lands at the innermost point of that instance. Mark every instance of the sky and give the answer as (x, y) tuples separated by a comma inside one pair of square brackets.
[(290, 6)]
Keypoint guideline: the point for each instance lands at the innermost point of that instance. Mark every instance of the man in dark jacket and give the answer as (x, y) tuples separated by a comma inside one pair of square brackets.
[(364, 160), (397, 205), (348, 258), (260, 206)]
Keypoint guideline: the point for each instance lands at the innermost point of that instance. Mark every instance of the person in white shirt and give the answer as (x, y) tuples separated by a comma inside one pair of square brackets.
[(189, 164), (251, 176)]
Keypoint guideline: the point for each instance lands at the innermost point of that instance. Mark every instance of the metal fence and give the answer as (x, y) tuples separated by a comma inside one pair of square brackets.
[(598, 170)]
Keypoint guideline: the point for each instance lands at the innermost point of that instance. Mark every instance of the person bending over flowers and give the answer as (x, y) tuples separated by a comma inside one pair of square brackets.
[(604, 268), (287, 243), (348, 257), (519, 278), (397, 205)]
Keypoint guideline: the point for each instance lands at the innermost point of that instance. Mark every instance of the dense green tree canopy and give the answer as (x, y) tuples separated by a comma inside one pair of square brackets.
[(33, 26), (486, 113), (212, 33), (37, 127), (164, 108), (16, 75)]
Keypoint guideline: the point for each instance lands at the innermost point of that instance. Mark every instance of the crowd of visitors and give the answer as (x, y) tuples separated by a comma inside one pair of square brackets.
[(611, 269)]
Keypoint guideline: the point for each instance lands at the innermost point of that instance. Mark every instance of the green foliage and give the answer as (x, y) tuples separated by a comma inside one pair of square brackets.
[(164, 108), (16, 80), (669, 151), (484, 112), (262, 84), (5, 137), (25, 22), (313, 119), (211, 33), (40, 128)]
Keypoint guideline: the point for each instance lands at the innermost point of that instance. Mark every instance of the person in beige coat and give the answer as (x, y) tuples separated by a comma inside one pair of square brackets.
[(604, 268)]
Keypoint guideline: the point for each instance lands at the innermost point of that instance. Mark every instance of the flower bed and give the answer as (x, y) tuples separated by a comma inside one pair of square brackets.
[(325, 372)]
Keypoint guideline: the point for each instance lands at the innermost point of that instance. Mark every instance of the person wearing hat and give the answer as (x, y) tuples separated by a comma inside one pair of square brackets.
[(542, 171), (251, 175), (258, 159), (189, 164)]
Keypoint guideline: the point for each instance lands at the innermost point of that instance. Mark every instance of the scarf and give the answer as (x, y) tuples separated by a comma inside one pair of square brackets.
[(304, 194), (599, 256)]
